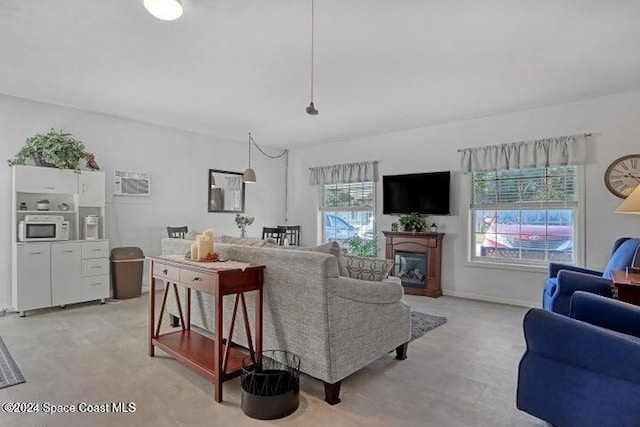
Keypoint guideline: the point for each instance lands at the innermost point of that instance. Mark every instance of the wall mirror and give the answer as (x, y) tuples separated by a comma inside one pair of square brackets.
[(226, 191)]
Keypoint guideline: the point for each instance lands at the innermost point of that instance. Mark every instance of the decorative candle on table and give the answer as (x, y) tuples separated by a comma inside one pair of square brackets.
[(194, 252), (209, 234), (203, 243)]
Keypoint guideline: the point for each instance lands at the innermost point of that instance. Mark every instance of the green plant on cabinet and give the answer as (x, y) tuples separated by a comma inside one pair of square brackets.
[(413, 222)]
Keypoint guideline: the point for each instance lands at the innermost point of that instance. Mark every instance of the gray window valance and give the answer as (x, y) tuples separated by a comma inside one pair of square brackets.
[(345, 173), (559, 151)]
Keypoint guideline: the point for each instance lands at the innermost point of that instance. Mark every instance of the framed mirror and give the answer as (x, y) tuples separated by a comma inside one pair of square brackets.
[(226, 191)]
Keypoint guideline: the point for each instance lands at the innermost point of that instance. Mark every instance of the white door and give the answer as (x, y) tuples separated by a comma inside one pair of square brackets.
[(91, 188), (32, 179), (33, 288), (66, 273)]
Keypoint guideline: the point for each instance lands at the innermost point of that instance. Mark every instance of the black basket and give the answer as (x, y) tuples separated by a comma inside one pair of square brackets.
[(270, 387)]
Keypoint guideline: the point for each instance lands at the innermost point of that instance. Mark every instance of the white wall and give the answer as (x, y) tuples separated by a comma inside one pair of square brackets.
[(613, 119), (178, 161)]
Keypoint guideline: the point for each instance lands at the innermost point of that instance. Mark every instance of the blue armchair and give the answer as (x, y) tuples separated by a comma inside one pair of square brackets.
[(565, 279), (582, 370)]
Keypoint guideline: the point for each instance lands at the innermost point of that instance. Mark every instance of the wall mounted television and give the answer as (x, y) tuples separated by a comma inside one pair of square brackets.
[(424, 193)]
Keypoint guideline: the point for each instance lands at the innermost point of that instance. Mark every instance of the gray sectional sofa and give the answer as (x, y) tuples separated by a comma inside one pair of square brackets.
[(335, 324)]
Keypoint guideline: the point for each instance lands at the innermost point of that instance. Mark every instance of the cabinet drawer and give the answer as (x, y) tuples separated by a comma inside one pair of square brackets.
[(166, 271), (95, 287), (95, 267), (201, 280), (95, 249)]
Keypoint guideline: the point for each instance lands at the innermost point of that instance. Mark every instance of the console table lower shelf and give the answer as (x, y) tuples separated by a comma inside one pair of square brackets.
[(215, 359)]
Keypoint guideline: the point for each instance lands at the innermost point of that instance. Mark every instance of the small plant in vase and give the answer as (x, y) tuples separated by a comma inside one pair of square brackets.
[(242, 222), (42, 205), (413, 222)]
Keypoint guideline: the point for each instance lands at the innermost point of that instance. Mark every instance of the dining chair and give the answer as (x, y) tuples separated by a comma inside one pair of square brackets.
[(292, 234), (177, 232), (275, 233)]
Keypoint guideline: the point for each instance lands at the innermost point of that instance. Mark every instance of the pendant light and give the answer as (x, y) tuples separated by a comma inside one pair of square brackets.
[(311, 109), (249, 175), (167, 10)]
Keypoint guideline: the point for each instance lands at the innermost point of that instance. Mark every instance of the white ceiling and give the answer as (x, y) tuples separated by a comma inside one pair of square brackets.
[(228, 67)]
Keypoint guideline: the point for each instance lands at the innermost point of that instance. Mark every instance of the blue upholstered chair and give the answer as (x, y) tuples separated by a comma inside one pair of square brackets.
[(582, 370), (564, 279)]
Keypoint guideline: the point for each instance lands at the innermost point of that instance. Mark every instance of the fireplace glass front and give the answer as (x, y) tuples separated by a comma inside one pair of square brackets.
[(411, 268)]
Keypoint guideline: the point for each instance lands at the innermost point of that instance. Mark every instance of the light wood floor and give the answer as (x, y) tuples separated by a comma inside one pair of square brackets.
[(460, 374)]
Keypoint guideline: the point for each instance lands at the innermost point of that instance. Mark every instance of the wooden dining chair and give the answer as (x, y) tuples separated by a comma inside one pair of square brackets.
[(177, 232), (275, 233), (292, 234)]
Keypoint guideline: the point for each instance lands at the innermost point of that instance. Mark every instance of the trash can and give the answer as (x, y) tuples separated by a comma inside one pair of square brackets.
[(126, 272), (271, 387)]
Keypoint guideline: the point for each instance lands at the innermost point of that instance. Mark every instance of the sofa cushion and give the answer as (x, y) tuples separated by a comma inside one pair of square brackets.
[(622, 257), (191, 235), (246, 241), (363, 268), (332, 248)]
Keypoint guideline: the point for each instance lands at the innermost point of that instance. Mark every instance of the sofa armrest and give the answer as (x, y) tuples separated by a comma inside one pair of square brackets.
[(384, 292), (606, 312), (555, 267), (580, 344), (572, 281)]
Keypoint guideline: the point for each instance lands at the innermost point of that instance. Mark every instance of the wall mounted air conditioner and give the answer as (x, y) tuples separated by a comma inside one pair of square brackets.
[(131, 184)]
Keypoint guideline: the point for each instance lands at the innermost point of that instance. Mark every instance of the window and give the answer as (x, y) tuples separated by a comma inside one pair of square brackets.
[(348, 214), (525, 216)]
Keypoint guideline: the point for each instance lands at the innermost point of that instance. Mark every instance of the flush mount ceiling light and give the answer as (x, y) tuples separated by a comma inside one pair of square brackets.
[(311, 109), (167, 10)]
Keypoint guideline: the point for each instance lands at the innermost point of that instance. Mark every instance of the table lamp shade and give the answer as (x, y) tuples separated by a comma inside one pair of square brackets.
[(630, 205)]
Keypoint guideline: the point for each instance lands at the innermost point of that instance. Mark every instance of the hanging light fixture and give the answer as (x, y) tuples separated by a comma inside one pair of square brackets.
[(311, 109), (167, 10), (249, 175)]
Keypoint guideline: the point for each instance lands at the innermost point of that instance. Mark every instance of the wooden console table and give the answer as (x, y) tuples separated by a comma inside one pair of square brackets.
[(628, 285), (428, 245), (215, 358)]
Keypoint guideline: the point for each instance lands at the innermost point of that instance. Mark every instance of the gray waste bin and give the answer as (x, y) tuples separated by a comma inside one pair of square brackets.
[(126, 272)]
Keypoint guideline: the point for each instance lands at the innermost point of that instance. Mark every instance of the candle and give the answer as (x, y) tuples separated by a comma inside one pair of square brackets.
[(194, 251), (209, 234), (203, 243)]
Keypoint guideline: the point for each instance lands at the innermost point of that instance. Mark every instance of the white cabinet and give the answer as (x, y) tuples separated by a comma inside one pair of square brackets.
[(46, 274), (33, 274), (91, 189), (31, 179), (66, 273)]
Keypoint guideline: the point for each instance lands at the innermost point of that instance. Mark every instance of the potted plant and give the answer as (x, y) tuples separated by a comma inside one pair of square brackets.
[(413, 222), (53, 149), (42, 205)]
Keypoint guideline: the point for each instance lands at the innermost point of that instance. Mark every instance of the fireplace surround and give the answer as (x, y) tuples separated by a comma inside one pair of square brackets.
[(417, 261)]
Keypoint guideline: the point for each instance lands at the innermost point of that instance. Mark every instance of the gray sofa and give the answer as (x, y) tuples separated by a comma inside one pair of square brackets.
[(335, 324)]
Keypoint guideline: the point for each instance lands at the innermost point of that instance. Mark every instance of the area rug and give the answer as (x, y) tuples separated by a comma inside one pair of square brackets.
[(421, 323), (9, 372)]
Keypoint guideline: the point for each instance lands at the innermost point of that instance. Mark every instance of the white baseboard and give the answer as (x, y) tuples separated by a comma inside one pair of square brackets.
[(519, 303)]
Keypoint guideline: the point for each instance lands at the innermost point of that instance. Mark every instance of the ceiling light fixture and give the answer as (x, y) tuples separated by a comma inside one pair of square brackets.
[(167, 10), (249, 175), (311, 109)]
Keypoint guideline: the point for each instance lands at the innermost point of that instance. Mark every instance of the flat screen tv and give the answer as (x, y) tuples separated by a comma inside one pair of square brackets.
[(423, 193)]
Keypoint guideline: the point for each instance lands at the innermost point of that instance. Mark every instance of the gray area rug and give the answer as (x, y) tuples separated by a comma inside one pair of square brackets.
[(9, 372), (421, 323)]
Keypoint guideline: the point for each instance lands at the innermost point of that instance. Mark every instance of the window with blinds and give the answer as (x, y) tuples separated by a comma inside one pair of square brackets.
[(525, 216), (348, 211)]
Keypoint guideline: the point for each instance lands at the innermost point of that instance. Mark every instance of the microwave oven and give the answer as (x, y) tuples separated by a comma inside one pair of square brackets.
[(43, 228)]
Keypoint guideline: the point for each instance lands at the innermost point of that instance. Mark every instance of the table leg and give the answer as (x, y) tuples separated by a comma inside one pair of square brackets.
[(258, 321), (217, 353), (152, 309), (188, 309)]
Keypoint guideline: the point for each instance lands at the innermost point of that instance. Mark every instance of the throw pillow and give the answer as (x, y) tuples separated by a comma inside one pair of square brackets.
[(247, 241), (329, 248), (191, 235), (372, 269)]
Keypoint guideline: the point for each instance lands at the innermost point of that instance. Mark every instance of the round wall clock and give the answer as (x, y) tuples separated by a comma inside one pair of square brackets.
[(623, 175)]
